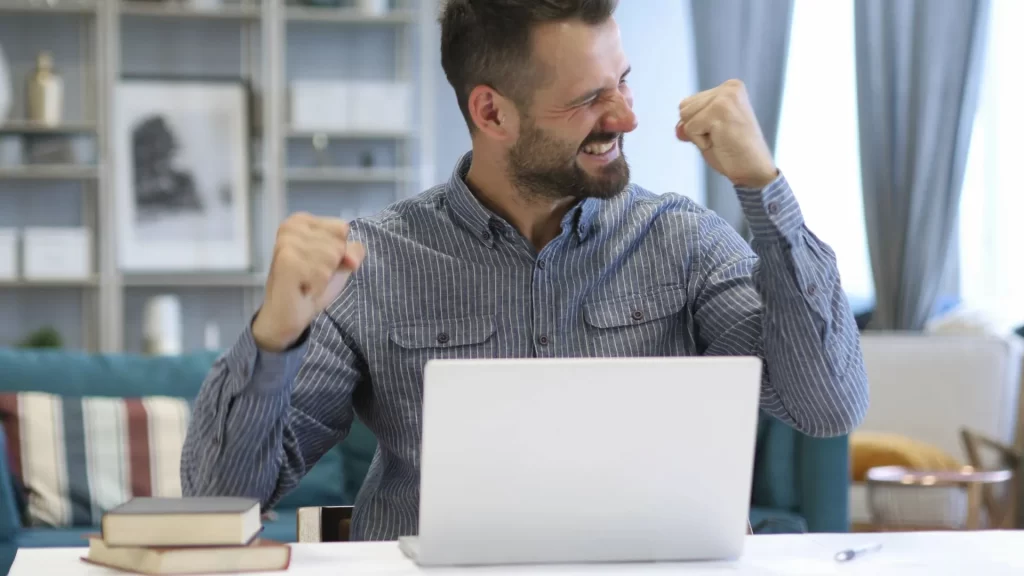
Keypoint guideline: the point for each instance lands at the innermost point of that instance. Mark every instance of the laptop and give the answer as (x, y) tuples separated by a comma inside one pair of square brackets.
[(552, 461)]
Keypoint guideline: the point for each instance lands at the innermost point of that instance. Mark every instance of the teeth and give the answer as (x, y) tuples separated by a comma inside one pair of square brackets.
[(598, 149)]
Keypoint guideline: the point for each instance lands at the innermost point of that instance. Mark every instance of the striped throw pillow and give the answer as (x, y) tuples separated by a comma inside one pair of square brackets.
[(77, 457)]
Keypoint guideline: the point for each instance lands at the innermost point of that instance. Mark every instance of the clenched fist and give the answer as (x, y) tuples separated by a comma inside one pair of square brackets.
[(722, 124), (312, 260)]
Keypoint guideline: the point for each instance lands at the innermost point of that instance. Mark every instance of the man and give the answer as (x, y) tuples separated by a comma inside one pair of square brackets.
[(538, 246)]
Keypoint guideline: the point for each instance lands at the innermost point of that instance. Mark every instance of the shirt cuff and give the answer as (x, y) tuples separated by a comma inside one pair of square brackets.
[(772, 212), (261, 371)]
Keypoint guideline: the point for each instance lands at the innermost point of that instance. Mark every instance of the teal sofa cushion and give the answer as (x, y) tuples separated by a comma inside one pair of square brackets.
[(10, 514), (776, 521), (73, 373), (323, 485), (54, 537), (8, 550), (774, 473), (798, 477)]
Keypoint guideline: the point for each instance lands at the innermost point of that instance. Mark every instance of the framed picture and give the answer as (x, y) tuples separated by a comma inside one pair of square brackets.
[(181, 150)]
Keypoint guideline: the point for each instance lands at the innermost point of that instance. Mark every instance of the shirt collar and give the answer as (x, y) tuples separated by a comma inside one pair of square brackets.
[(481, 222), (464, 205)]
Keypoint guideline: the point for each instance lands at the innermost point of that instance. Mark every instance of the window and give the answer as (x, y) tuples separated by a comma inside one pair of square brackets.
[(821, 87), (992, 199)]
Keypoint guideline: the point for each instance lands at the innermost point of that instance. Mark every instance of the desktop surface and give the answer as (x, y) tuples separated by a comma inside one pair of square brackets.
[(992, 553)]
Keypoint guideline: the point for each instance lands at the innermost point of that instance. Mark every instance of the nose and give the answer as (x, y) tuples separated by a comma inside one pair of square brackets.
[(620, 116)]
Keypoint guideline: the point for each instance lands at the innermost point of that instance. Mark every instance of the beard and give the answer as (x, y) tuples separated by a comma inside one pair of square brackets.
[(543, 166)]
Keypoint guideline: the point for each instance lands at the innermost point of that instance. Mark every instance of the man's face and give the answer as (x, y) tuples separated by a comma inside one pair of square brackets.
[(570, 138)]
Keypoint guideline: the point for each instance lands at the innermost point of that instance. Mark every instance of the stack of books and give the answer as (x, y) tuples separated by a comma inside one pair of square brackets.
[(186, 536)]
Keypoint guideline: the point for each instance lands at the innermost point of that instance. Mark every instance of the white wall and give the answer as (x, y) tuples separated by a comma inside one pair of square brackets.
[(656, 36), (451, 137), (658, 40)]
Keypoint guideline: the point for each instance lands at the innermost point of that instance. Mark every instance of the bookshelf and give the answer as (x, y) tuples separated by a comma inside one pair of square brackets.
[(267, 45)]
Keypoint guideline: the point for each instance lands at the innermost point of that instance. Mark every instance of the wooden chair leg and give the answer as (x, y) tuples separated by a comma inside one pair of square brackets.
[(1000, 513)]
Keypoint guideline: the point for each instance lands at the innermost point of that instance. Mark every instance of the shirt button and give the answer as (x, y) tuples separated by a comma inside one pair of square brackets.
[(541, 264), (812, 289), (442, 338), (773, 208), (486, 235), (638, 315), (543, 340)]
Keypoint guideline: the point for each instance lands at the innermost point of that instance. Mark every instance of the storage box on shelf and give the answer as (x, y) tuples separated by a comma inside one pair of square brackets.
[(57, 253), (8, 254), (362, 107)]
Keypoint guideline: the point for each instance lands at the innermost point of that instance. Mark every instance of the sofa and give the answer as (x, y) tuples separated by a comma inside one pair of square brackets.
[(800, 483), (106, 379)]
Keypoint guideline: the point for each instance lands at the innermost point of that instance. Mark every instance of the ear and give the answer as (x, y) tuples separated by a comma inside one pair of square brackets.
[(492, 113)]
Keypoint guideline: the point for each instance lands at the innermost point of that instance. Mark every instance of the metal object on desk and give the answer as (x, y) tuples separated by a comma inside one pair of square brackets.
[(903, 499), (854, 553)]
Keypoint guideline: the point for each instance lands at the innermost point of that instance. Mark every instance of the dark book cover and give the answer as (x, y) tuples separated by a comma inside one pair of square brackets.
[(190, 505)]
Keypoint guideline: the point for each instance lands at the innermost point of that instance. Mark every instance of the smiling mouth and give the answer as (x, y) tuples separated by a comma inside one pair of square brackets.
[(599, 149)]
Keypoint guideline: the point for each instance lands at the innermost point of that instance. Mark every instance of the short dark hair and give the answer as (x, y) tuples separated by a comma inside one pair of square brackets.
[(488, 42)]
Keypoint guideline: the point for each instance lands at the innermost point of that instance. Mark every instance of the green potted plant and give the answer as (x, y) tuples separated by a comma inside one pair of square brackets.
[(47, 337)]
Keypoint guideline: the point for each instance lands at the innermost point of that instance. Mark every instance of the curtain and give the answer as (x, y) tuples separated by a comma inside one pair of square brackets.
[(747, 40), (919, 67)]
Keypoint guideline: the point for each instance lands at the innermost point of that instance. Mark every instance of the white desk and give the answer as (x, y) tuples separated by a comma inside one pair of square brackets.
[(906, 554)]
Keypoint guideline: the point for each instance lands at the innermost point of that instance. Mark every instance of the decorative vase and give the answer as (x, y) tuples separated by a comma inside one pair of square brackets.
[(5, 87), (208, 5), (374, 7), (162, 332), (45, 92)]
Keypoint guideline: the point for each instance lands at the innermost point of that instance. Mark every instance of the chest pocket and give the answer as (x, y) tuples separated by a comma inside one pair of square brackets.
[(443, 334), (640, 324), (413, 344)]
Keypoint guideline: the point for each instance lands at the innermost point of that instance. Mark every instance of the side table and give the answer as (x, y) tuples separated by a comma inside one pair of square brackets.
[(901, 499)]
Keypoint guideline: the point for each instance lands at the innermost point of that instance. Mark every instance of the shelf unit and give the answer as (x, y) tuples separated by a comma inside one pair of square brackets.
[(267, 43)]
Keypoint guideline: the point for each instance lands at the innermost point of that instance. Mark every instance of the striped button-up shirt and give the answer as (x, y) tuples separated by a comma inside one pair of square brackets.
[(641, 274)]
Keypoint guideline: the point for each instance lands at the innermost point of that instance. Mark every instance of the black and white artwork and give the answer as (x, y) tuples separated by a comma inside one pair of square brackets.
[(182, 175)]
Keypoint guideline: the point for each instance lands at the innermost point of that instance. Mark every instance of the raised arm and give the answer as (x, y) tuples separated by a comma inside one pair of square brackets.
[(781, 301), (282, 395), (263, 419), (779, 297)]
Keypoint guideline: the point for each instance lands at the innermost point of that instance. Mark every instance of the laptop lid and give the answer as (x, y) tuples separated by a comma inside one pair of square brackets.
[(586, 460)]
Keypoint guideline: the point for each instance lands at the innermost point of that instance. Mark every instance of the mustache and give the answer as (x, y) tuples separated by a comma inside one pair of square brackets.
[(601, 138)]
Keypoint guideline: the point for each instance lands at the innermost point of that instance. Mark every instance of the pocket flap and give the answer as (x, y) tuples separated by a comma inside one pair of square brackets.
[(634, 309), (443, 333)]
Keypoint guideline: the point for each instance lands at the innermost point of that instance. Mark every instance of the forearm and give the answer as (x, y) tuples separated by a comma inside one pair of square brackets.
[(815, 376), (240, 431)]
